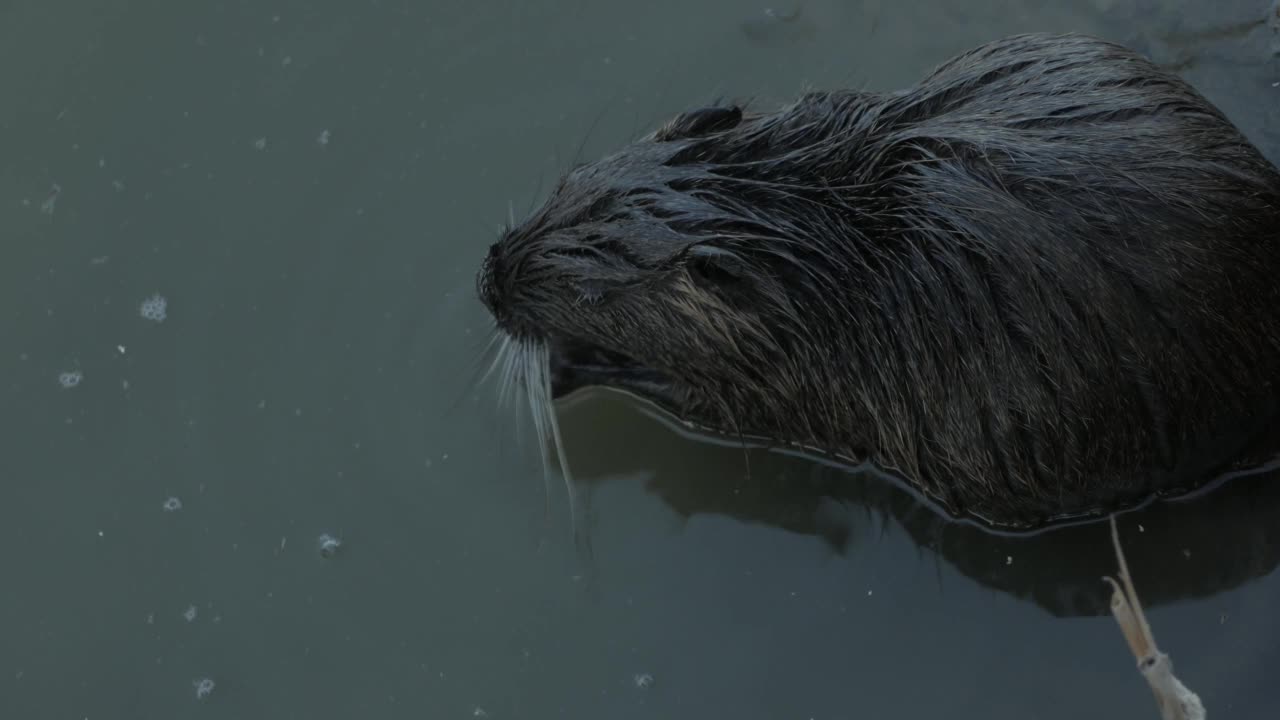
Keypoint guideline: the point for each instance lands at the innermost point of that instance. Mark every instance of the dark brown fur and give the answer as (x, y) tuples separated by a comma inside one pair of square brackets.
[(1042, 282)]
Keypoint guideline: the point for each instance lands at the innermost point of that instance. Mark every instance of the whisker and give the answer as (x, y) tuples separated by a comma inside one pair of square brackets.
[(478, 373), (544, 383), (537, 379), (526, 363), (528, 358), (500, 340), (510, 371)]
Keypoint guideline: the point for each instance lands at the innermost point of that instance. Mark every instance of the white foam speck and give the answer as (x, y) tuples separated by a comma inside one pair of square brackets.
[(203, 687), (329, 545), (154, 308)]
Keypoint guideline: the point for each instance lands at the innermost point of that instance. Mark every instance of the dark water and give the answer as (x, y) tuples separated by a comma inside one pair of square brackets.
[(309, 377)]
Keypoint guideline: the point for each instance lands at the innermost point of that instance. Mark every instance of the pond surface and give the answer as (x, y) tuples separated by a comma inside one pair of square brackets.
[(238, 313)]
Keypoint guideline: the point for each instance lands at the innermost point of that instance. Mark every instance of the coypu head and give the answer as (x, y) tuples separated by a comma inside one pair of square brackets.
[(681, 270), (1037, 284)]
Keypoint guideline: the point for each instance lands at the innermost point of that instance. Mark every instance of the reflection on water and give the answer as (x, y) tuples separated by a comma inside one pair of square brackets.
[(1182, 549)]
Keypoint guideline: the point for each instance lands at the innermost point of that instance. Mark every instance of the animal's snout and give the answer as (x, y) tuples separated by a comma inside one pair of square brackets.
[(489, 280)]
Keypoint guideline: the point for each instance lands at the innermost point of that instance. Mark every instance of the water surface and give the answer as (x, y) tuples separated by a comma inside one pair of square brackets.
[(310, 186)]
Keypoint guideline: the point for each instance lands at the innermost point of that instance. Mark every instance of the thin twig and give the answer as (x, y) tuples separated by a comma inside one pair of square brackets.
[(1175, 700)]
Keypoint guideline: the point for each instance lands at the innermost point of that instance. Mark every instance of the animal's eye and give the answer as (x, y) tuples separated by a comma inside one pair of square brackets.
[(697, 123), (575, 251), (613, 247)]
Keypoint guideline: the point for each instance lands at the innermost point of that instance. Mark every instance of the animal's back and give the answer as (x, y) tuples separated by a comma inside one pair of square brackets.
[(1090, 250)]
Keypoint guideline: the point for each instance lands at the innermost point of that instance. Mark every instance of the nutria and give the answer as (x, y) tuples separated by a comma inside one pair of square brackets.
[(1041, 283)]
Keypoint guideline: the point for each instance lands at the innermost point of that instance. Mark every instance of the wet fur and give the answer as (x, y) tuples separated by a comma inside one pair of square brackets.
[(1042, 282)]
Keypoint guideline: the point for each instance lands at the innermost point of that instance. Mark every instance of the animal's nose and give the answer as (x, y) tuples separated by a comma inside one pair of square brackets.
[(488, 279)]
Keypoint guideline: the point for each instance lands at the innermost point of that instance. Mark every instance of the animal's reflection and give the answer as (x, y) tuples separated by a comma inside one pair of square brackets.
[(1176, 549)]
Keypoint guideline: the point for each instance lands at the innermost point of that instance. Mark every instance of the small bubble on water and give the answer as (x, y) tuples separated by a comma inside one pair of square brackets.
[(328, 545), (643, 680), (154, 308), (260, 144), (190, 613), (203, 687), (70, 379), (172, 504), (479, 712), (324, 137)]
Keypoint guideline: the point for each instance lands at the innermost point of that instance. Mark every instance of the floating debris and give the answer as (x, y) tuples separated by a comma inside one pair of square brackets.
[(154, 308), (190, 613), (260, 143), (329, 545), (51, 200), (643, 680), (287, 61), (70, 379), (172, 504), (479, 712), (203, 687), (324, 137)]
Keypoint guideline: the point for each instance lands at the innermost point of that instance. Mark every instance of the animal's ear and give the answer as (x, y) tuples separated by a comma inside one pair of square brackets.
[(715, 268), (698, 123)]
